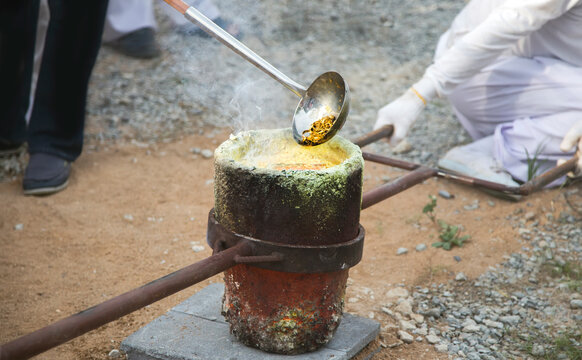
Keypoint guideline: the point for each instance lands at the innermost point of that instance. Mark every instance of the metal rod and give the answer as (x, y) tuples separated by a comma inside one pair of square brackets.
[(529, 187), (383, 132), (385, 191), (69, 328)]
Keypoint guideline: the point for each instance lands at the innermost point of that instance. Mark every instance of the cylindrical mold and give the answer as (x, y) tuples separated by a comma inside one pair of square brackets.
[(270, 188)]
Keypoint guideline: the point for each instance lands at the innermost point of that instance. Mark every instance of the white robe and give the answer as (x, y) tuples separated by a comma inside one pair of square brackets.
[(513, 69)]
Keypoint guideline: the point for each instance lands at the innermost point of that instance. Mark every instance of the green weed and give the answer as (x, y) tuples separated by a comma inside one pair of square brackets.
[(449, 235)]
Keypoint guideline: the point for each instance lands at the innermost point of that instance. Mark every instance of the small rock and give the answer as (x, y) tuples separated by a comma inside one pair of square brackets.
[(407, 325), (401, 251), (576, 304), (530, 215), (114, 354), (433, 339), (128, 217), (406, 337), (419, 319), (461, 277), (197, 248), (473, 206), (442, 348), (195, 150), (538, 350), (420, 247), (405, 308), (457, 258), (494, 324), (207, 154), (510, 320), (472, 328), (18, 227), (445, 194), (398, 292)]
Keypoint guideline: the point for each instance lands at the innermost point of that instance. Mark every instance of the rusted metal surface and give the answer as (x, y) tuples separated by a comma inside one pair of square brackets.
[(420, 173), (283, 312), (381, 133), (385, 191), (73, 326), (286, 257)]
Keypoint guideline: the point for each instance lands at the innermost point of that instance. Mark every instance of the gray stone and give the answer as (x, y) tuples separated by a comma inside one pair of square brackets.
[(576, 304), (461, 277), (114, 354), (207, 154), (443, 348), (406, 337), (510, 320), (445, 194), (433, 339), (401, 251), (195, 330), (420, 247)]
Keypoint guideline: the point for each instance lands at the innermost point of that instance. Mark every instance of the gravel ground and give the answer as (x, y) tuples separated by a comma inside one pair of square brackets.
[(515, 310), (528, 307)]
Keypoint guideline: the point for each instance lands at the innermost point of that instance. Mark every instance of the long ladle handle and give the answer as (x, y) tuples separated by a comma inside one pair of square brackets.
[(224, 37)]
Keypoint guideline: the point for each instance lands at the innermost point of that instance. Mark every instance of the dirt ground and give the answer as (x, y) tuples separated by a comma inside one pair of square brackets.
[(132, 213)]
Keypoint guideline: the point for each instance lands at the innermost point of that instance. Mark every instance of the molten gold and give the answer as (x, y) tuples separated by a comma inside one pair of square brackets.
[(318, 130)]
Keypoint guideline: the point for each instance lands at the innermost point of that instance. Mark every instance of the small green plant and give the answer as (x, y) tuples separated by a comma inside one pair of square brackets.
[(533, 165), (563, 346), (449, 235), (570, 272)]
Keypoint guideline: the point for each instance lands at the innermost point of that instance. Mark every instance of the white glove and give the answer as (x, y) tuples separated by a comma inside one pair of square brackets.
[(572, 139), (402, 112)]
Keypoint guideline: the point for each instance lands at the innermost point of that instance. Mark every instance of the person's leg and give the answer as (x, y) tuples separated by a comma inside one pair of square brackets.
[(530, 146), (55, 132), (528, 103), (126, 16), (17, 38), (515, 88), (130, 28), (71, 48)]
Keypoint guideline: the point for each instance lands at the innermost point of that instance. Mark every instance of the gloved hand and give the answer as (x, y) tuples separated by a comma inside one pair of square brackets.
[(402, 112), (572, 139)]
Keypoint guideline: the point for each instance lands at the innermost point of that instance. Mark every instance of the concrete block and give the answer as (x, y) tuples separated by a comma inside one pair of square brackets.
[(195, 330)]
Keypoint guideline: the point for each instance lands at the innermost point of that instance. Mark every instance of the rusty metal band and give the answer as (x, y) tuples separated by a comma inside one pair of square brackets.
[(285, 257)]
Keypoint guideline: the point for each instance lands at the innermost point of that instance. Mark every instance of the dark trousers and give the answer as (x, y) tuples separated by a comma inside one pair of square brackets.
[(72, 43)]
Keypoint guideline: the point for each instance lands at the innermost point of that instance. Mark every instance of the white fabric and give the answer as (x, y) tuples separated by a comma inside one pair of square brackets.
[(572, 140), (126, 16), (477, 160), (488, 29), (401, 113)]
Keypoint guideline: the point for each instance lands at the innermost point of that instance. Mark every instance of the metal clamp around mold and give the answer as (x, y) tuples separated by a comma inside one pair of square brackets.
[(285, 257)]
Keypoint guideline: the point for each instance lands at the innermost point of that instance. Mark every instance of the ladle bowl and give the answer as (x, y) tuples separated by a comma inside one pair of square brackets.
[(328, 97)]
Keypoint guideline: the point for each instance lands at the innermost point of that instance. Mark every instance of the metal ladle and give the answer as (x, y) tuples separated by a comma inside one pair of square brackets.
[(328, 96)]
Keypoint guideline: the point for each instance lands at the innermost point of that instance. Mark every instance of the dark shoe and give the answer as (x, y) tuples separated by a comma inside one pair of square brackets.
[(9, 148), (45, 174), (139, 44), (231, 28)]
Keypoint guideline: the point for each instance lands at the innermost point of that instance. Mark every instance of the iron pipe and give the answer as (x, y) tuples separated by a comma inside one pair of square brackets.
[(385, 191), (529, 187), (75, 325)]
